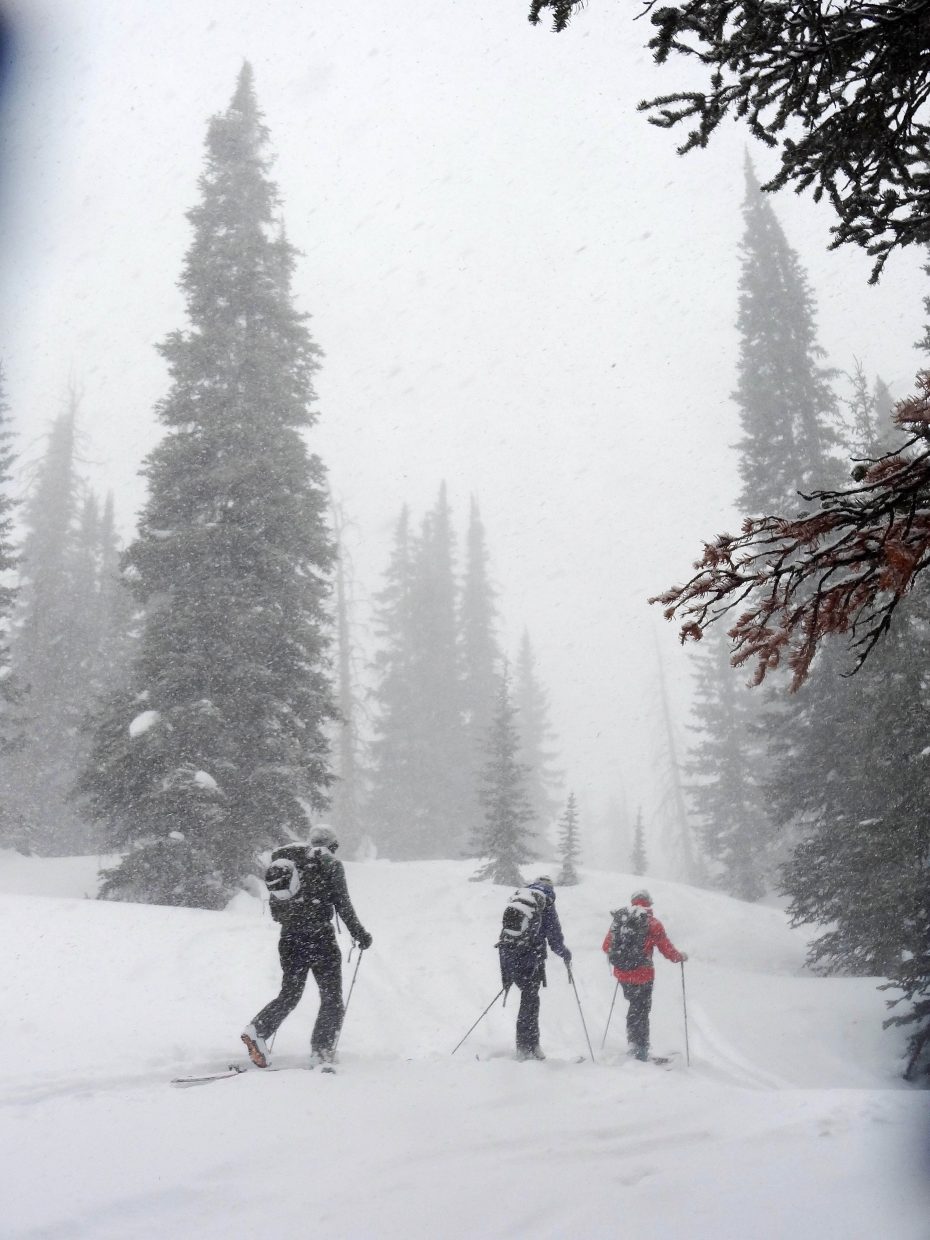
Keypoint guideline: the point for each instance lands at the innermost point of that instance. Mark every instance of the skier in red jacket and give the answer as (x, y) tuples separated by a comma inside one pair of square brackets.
[(633, 935)]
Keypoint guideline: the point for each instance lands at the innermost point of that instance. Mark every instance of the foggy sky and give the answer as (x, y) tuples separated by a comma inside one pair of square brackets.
[(519, 287)]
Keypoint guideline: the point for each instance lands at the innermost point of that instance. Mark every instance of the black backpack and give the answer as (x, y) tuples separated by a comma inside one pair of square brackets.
[(522, 920), (297, 882), (628, 932)]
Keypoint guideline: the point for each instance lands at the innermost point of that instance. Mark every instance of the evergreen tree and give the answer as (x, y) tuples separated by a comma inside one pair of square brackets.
[(569, 846), (445, 804), (884, 412), (638, 855), (396, 756), (481, 654), (852, 771), (672, 811), (217, 749), (724, 787), (115, 626), (14, 828), (859, 783), (788, 415), (786, 403), (347, 793), (868, 428), (51, 649), (536, 738), (504, 839), (421, 761)]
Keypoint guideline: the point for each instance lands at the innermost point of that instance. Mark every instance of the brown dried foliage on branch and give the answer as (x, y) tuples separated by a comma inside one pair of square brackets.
[(842, 569)]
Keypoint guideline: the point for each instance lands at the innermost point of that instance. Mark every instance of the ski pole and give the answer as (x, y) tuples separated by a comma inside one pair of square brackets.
[(609, 1015), (345, 1006), (480, 1018), (684, 1004), (571, 979)]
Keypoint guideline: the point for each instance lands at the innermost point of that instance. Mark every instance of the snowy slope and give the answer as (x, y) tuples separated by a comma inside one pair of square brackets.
[(791, 1122)]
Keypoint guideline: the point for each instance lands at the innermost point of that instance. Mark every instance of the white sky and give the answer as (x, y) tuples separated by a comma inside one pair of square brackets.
[(518, 285)]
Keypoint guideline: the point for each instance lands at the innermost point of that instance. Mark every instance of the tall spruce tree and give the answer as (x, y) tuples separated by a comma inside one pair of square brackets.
[(51, 648), (218, 748), (115, 621), (852, 773), (347, 793), (863, 794), (503, 839), (396, 758), (569, 844), (445, 805), (859, 782), (723, 787), (537, 738), (868, 430), (789, 420), (481, 655), (420, 806), (15, 830), (786, 402)]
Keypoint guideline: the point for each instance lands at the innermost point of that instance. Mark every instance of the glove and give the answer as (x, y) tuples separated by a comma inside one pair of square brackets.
[(684, 957), (364, 940), (567, 956)]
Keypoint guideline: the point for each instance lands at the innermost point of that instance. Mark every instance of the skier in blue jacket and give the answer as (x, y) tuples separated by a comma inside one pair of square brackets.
[(524, 965)]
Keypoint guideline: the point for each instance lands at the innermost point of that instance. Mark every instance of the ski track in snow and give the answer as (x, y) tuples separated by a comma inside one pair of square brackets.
[(792, 1122)]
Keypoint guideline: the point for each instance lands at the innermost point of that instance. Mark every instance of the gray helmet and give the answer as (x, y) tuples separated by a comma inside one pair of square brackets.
[(323, 837), (642, 895)]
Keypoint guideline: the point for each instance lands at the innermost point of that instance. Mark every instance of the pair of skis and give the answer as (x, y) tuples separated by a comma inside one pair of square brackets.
[(236, 1069)]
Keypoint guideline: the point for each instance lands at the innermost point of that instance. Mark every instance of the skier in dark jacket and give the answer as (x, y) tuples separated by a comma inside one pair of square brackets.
[(306, 884), (637, 981), (524, 966)]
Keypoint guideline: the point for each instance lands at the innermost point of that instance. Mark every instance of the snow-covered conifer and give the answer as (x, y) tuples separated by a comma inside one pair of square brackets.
[(569, 844), (231, 564), (537, 742), (503, 840), (481, 655), (638, 862)]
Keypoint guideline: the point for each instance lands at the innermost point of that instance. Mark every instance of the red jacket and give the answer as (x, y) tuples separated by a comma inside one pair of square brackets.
[(655, 937)]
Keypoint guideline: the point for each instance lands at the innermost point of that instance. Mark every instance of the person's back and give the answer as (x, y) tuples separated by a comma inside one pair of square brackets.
[(632, 966), (523, 961)]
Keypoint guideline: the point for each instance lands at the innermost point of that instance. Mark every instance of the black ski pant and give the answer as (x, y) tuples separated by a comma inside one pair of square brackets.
[(525, 968), (299, 954), (639, 997), (528, 1014)]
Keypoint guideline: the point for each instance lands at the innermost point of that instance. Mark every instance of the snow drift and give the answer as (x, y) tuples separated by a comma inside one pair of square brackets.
[(791, 1121)]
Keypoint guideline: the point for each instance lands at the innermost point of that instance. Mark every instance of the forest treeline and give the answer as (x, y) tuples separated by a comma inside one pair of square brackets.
[(196, 697)]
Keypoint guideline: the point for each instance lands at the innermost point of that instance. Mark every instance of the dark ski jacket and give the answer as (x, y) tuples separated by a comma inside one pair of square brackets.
[(322, 891), (655, 937), (519, 965)]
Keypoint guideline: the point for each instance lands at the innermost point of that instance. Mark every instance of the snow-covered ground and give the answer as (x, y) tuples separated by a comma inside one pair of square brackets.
[(792, 1122)]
